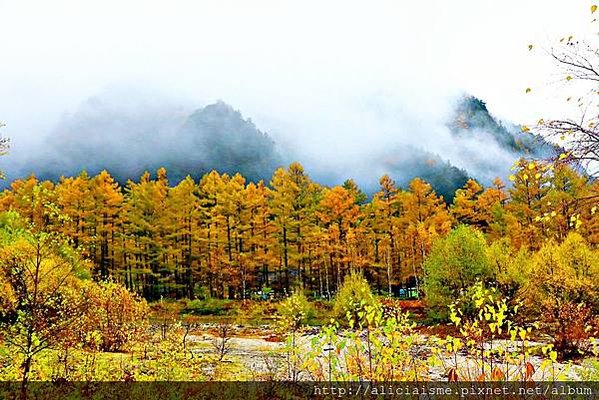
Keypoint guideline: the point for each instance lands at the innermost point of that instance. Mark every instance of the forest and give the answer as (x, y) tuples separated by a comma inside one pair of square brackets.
[(224, 238)]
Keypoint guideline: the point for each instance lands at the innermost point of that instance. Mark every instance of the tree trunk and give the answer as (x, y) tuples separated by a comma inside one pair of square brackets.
[(25, 380)]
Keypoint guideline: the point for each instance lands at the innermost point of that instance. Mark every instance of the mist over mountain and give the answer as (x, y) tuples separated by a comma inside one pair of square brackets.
[(129, 141), (416, 162), (128, 138), (218, 137), (473, 118)]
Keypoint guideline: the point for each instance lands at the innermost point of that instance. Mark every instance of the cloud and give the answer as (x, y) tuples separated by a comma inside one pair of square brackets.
[(335, 83)]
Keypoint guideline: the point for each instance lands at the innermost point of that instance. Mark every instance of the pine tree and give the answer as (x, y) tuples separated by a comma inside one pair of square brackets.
[(383, 221), (260, 233), (182, 207), (339, 214), (210, 230), (145, 217), (74, 200), (105, 220), (528, 203), (465, 204), (425, 218), (294, 198)]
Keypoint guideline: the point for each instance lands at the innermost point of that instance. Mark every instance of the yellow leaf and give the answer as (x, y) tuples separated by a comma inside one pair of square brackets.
[(531, 165), (528, 90), (529, 47), (512, 178), (525, 128), (537, 176), (569, 78), (593, 8)]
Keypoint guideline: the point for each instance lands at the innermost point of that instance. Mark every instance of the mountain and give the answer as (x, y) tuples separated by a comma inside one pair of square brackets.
[(472, 118), (222, 139), (483, 148), (128, 141), (128, 137), (414, 162)]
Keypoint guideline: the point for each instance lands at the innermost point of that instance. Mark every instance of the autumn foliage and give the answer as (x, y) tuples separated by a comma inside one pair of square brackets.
[(232, 238), (116, 318)]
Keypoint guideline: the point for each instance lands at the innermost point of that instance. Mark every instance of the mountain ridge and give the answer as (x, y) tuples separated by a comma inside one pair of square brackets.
[(127, 141)]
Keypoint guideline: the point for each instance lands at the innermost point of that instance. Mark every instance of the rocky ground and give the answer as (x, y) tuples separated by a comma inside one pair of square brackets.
[(262, 353)]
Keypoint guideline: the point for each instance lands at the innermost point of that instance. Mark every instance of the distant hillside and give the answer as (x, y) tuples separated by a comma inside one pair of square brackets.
[(218, 137), (488, 145), (135, 136), (472, 118), (130, 141), (411, 162)]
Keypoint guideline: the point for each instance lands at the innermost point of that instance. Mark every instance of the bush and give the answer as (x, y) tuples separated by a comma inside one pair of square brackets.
[(563, 292), (510, 267), (352, 300), (115, 316), (383, 352), (499, 348), (201, 292), (295, 312), (456, 263), (323, 310), (391, 308)]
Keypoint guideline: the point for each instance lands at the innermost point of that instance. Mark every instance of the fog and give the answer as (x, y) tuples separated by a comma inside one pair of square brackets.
[(342, 87)]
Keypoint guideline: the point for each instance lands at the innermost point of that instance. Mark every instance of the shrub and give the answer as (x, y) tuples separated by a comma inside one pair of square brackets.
[(382, 352), (295, 312), (201, 292), (323, 310), (563, 292), (489, 318), (509, 266), (352, 299), (391, 308), (116, 314), (456, 262)]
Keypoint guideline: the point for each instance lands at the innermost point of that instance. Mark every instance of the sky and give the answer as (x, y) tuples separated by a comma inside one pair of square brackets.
[(308, 72)]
